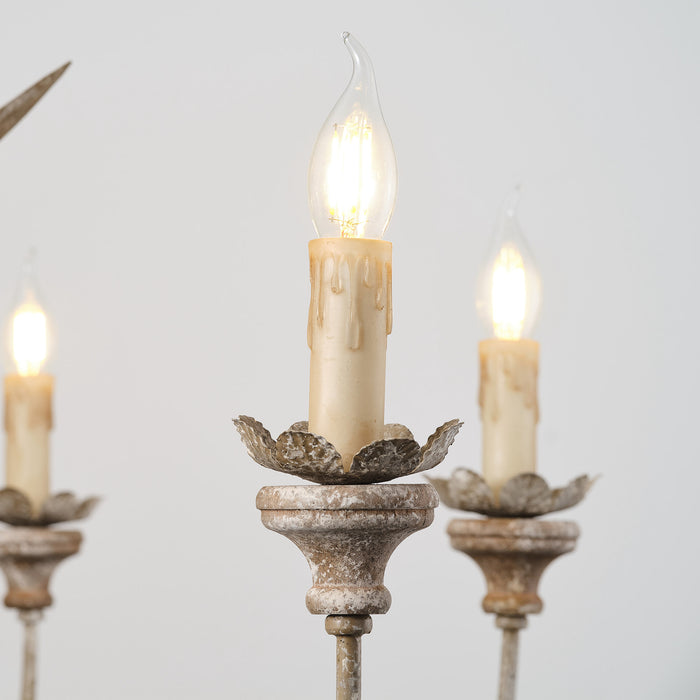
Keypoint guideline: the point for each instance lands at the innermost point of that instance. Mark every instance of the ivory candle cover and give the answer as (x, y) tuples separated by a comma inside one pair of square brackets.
[(509, 409), (28, 420), (350, 316)]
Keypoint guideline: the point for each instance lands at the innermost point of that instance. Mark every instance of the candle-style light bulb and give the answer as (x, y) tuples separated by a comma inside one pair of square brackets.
[(508, 301), (29, 326), (28, 393), (353, 175), (352, 188), (509, 287)]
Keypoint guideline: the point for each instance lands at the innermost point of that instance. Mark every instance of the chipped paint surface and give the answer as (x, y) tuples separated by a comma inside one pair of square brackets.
[(348, 630), (28, 557), (512, 554), (347, 534)]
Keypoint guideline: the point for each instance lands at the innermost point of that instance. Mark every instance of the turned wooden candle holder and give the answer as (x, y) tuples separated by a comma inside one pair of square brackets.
[(348, 526), (28, 557), (29, 554), (510, 546), (513, 554), (347, 534)]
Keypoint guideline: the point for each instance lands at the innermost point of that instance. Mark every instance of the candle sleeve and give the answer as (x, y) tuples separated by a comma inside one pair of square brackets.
[(28, 421), (350, 316), (509, 408)]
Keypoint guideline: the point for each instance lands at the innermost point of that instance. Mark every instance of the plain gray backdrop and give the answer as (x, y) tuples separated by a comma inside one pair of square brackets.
[(163, 181)]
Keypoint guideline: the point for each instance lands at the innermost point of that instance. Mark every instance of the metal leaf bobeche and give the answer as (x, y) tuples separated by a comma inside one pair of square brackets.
[(16, 509), (523, 496), (301, 453)]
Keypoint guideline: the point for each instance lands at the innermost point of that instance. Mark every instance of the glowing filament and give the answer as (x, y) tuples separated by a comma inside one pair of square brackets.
[(350, 181), (508, 294), (29, 338)]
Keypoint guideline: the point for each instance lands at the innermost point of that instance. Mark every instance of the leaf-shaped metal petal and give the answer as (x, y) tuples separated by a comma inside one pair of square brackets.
[(65, 506), (313, 458), (86, 507), (573, 493), (309, 456), (59, 508), (435, 449), (15, 507), (396, 430), (470, 492), (13, 111), (384, 460), (258, 441), (525, 494)]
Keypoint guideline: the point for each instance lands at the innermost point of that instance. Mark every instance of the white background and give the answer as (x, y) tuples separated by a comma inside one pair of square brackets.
[(163, 180)]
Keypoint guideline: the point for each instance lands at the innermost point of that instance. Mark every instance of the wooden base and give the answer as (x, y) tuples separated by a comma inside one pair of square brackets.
[(347, 534), (513, 553), (28, 557)]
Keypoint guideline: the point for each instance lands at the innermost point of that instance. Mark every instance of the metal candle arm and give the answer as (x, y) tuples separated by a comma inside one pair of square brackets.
[(511, 626), (30, 619), (348, 631)]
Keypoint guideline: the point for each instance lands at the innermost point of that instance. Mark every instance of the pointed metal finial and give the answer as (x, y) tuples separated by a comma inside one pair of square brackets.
[(13, 111)]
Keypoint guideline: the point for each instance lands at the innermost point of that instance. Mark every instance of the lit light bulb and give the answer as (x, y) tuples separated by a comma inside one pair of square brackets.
[(29, 325), (352, 175), (509, 287)]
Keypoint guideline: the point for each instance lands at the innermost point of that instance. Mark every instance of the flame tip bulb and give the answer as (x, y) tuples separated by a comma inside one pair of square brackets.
[(509, 288), (352, 173)]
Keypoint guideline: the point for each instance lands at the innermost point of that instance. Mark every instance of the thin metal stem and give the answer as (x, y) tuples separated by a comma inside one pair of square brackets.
[(348, 630), (511, 626), (30, 618)]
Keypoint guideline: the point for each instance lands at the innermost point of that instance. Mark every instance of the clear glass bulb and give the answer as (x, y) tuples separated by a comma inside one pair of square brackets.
[(29, 328), (509, 290), (352, 174)]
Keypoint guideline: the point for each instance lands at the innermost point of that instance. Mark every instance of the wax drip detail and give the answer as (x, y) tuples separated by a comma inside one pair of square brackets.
[(354, 275), (520, 370)]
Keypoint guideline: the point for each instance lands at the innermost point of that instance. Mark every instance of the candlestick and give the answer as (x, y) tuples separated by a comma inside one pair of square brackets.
[(508, 301), (352, 189), (512, 548), (28, 557), (28, 414), (348, 526), (513, 554)]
